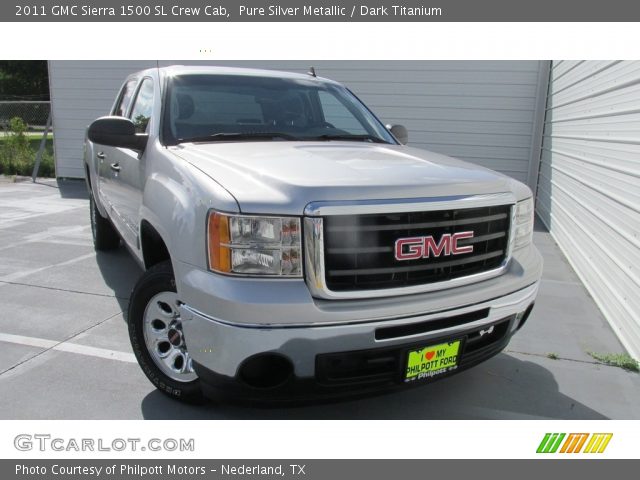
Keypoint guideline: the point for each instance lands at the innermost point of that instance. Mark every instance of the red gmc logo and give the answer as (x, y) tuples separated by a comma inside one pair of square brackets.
[(413, 248)]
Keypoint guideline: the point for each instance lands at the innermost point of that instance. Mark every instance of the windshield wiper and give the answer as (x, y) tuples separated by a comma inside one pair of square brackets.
[(355, 138), (215, 137)]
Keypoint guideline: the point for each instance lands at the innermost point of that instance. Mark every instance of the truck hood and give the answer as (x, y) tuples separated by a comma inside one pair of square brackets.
[(281, 177)]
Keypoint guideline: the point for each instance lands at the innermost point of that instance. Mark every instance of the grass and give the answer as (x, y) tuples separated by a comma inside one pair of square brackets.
[(30, 135), (34, 141), (621, 360), (552, 356)]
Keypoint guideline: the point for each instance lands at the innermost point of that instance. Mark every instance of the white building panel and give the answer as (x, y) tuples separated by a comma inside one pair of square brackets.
[(589, 183)]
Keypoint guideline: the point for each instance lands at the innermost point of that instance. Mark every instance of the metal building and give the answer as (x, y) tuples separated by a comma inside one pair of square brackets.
[(585, 168), (589, 183)]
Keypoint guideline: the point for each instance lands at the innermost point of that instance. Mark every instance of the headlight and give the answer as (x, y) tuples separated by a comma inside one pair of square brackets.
[(523, 228), (254, 245)]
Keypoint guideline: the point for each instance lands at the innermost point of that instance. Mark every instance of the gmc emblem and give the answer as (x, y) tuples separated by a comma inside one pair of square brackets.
[(412, 248)]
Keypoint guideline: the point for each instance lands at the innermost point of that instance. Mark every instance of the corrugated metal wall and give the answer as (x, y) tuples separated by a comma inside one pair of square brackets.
[(81, 92), (481, 111), (589, 183)]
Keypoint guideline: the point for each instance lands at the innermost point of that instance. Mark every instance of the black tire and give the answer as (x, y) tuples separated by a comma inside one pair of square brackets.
[(105, 236), (155, 281)]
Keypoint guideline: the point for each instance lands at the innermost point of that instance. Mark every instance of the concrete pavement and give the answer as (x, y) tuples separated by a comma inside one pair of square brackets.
[(64, 350)]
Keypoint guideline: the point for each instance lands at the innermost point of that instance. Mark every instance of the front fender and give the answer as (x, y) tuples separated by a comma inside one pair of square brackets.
[(176, 200)]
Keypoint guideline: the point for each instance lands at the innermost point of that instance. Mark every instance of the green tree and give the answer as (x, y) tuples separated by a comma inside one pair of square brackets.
[(24, 78)]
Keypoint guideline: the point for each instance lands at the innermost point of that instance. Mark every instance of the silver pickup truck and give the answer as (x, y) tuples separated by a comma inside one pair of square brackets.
[(294, 247)]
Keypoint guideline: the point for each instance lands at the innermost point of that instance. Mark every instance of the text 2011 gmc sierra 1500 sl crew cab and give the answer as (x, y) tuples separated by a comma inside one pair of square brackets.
[(293, 246)]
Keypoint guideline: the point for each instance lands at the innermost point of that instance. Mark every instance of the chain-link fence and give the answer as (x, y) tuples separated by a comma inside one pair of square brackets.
[(26, 146), (33, 113)]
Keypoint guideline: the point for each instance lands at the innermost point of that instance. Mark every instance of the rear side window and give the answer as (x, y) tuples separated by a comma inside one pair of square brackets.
[(125, 98), (143, 106)]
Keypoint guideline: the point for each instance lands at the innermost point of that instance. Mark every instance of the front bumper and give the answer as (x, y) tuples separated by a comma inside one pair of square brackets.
[(363, 372), (305, 331)]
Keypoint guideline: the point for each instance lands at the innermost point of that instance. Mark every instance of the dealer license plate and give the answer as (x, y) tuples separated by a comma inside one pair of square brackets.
[(431, 361)]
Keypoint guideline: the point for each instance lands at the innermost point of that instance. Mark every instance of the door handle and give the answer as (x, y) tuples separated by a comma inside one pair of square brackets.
[(115, 167), (101, 155)]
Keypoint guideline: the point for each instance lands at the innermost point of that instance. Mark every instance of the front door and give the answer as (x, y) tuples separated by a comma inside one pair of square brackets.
[(107, 158), (128, 167)]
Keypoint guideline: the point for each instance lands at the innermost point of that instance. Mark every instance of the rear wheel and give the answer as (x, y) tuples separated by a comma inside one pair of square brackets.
[(105, 236), (155, 331)]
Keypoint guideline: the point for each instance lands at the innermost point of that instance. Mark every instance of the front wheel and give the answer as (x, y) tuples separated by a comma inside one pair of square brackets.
[(155, 331)]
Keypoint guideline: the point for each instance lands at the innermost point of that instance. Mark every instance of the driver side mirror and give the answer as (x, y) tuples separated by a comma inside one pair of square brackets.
[(400, 132), (117, 132)]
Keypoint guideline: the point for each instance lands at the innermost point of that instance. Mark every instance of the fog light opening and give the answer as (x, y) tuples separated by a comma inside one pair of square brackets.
[(523, 316), (266, 370)]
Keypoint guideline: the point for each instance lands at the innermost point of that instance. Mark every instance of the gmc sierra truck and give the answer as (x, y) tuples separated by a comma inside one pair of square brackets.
[(293, 246)]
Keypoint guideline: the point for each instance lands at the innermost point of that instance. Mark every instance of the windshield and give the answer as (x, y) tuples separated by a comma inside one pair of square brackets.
[(244, 108)]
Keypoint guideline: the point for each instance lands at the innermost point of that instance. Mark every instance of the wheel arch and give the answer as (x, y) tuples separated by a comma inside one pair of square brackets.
[(154, 248)]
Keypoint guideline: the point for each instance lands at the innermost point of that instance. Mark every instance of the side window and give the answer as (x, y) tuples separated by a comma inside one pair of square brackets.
[(338, 115), (125, 98), (143, 106)]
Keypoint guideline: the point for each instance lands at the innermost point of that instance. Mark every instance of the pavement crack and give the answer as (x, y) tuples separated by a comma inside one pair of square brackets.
[(25, 273), (68, 290), (57, 344), (540, 355)]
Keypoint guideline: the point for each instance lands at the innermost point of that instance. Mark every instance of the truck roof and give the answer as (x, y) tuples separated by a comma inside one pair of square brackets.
[(215, 70)]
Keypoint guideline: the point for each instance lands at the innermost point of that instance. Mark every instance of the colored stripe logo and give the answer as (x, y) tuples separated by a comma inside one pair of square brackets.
[(574, 443)]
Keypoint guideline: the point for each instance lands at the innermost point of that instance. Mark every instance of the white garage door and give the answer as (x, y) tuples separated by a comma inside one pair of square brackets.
[(589, 186), (481, 111)]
